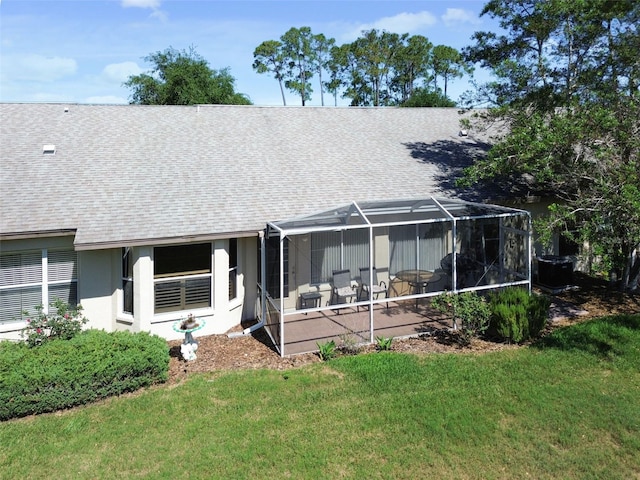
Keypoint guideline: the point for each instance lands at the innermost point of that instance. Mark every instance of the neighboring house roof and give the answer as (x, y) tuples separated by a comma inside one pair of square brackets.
[(124, 174)]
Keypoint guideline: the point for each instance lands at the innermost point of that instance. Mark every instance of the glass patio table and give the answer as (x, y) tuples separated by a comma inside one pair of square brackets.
[(418, 279)]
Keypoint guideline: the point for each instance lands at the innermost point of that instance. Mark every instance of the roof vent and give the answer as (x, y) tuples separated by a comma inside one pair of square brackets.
[(48, 149)]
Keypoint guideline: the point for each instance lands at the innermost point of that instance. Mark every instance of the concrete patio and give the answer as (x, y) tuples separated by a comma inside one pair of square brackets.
[(304, 331)]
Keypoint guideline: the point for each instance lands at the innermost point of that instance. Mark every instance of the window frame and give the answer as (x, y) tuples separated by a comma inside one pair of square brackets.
[(181, 280), (48, 278), (233, 268), (126, 269)]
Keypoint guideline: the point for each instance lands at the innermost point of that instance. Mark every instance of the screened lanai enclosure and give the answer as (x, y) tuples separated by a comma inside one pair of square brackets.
[(369, 269)]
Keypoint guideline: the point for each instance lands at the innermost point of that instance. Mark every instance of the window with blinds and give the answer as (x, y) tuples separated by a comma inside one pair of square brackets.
[(29, 279), (182, 277), (337, 251), (417, 246)]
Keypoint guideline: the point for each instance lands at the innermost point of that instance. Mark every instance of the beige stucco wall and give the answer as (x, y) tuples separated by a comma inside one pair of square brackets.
[(96, 292)]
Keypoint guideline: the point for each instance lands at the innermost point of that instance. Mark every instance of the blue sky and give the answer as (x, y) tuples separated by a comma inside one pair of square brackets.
[(83, 50)]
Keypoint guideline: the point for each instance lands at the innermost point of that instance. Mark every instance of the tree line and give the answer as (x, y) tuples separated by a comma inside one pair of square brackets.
[(378, 69)]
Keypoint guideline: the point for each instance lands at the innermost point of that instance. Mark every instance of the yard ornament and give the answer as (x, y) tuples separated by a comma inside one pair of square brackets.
[(188, 350)]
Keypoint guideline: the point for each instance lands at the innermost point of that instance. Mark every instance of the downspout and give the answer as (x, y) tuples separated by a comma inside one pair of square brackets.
[(263, 312)]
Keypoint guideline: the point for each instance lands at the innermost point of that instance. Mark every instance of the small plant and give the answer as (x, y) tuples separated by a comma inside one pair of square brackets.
[(63, 321), (349, 344), (469, 308), (327, 350), (383, 343)]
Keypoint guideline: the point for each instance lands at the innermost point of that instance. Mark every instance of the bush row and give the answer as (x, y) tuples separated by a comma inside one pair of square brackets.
[(511, 314), (65, 373)]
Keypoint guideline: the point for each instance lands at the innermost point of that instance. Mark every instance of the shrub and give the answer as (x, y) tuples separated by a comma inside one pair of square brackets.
[(63, 321), (470, 308), (517, 315), (65, 373)]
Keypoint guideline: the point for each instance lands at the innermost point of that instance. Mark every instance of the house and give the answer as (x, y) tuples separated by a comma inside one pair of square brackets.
[(144, 214)]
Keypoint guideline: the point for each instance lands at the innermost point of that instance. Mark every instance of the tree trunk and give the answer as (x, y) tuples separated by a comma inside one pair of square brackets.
[(284, 100), (634, 271)]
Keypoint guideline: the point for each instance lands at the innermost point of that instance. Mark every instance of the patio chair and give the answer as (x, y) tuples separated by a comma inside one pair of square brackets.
[(342, 288), (376, 288)]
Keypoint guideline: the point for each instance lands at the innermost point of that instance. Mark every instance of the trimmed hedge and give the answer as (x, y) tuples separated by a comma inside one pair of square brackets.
[(517, 315), (65, 373)]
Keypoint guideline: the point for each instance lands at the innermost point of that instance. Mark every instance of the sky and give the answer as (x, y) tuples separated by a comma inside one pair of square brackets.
[(82, 51)]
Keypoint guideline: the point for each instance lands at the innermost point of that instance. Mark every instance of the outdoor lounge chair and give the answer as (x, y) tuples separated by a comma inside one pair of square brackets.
[(342, 291), (376, 288)]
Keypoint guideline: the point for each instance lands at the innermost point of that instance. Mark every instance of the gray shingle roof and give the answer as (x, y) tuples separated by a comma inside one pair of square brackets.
[(142, 174)]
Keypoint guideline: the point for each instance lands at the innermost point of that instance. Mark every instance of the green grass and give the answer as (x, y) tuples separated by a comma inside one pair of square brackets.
[(568, 407)]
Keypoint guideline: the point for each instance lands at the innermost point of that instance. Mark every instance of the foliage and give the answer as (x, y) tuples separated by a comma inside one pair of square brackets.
[(379, 68), (90, 366), (301, 59), (569, 409), (517, 315), (470, 308), (269, 57), (448, 63), (327, 350), (567, 106), (63, 321), (384, 343), (423, 97), (349, 344), (183, 78)]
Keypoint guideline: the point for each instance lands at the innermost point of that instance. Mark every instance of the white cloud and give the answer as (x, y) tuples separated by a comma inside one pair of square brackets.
[(401, 23), (120, 72), (154, 5), (140, 3), (39, 67), (455, 16)]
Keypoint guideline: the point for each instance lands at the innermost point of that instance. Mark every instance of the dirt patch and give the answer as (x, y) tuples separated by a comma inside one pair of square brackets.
[(590, 298)]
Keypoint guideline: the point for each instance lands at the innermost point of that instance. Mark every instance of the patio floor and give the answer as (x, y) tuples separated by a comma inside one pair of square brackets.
[(302, 332)]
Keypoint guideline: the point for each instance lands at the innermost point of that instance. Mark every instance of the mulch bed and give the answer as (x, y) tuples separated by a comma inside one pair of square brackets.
[(590, 298)]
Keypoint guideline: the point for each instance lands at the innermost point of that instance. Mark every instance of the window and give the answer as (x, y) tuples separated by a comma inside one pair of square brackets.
[(417, 246), (182, 277), (28, 279), (127, 280), (336, 251), (233, 268)]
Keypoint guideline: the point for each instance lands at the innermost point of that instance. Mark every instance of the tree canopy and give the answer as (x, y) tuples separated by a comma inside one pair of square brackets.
[(183, 78), (377, 69), (566, 93)]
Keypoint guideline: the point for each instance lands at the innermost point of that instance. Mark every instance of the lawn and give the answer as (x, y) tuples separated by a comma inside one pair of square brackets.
[(567, 407)]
